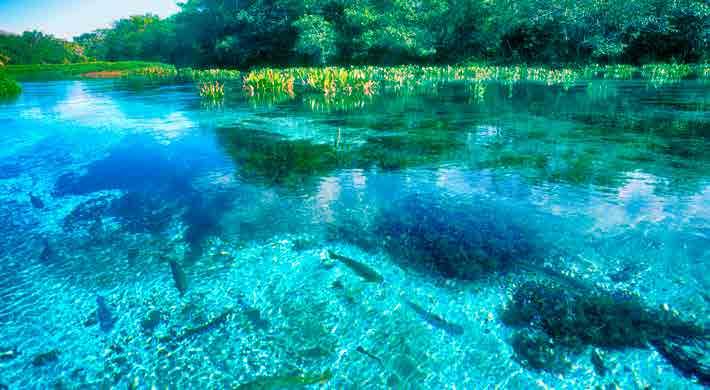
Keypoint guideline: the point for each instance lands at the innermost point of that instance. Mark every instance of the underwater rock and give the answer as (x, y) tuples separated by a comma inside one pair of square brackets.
[(103, 314), (537, 351), (8, 353), (454, 240), (143, 212), (435, 320), (359, 268), (288, 381), (138, 212), (178, 277), (45, 358), (152, 319), (36, 202), (85, 212), (575, 318)]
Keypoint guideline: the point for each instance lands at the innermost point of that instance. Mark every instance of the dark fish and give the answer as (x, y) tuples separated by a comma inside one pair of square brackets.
[(8, 353), (359, 268), (286, 382), (151, 321), (179, 277), (45, 358), (103, 314), (47, 251), (200, 329), (36, 202), (435, 320), (368, 354), (598, 362)]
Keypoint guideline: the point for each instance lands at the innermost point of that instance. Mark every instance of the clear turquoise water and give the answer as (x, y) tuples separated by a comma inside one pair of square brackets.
[(607, 183)]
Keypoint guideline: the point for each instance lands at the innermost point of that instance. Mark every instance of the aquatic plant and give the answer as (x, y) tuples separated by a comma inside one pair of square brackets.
[(453, 241), (660, 74), (574, 316), (270, 81), (8, 87), (154, 72), (211, 90), (619, 72)]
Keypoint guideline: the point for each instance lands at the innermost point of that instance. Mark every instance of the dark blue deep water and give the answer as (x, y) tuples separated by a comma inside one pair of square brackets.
[(530, 237)]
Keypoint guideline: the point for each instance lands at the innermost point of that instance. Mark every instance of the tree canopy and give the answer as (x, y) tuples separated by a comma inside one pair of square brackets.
[(34, 47), (243, 33)]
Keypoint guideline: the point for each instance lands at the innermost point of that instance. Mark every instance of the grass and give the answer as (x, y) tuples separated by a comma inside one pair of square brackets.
[(8, 87), (60, 71)]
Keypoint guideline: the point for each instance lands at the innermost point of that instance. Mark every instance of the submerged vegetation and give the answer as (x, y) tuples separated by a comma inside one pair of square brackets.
[(561, 319)]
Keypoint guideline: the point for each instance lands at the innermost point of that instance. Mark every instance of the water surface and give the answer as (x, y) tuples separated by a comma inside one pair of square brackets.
[(104, 183)]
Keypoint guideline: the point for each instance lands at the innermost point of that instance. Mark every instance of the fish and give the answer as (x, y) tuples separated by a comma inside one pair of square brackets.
[(178, 277), (103, 314), (436, 320), (36, 202), (200, 329), (597, 360), (285, 382), (368, 354), (359, 268), (45, 358), (47, 253), (8, 353)]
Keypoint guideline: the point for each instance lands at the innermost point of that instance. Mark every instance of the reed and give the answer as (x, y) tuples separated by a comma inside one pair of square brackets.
[(213, 90)]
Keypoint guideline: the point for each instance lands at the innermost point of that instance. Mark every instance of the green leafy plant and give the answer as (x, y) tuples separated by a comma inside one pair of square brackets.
[(9, 87)]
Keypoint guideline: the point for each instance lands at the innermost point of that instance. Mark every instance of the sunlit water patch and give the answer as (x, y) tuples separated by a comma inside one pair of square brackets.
[(519, 237)]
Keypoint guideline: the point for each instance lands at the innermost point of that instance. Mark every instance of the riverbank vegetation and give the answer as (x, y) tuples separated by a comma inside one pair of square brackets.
[(8, 87), (49, 71)]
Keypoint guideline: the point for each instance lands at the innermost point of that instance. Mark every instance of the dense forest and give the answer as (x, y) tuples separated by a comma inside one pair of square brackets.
[(243, 33)]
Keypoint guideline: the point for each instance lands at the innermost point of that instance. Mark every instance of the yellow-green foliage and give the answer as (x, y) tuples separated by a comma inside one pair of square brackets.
[(169, 72), (273, 81), (659, 74), (211, 90), (367, 80)]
